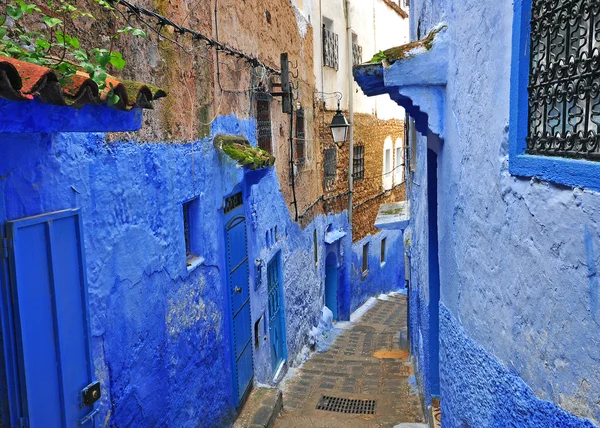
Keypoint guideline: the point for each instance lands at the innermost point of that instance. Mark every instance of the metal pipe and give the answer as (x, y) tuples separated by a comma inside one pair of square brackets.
[(351, 116)]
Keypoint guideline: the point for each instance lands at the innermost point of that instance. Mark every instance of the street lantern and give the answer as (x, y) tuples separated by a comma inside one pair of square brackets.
[(339, 128)]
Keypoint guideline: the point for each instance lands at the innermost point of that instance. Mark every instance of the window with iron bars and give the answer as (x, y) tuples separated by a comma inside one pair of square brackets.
[(330, 163), (564, 80), (263, 121), (356, 54), (300, 135), (330, 48), (359, 162)]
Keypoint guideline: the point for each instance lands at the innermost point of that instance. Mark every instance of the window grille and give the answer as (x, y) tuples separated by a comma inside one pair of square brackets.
[(330, 48), (300, 135), (359, 162), (263, 121), (330, 163), (564, 79), (356, 54)]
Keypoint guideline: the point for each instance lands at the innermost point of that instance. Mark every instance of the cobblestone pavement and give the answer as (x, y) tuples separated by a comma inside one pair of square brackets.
[(365, 362)]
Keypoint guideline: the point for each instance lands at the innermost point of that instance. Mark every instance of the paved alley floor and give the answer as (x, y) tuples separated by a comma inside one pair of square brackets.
[(365, 362)]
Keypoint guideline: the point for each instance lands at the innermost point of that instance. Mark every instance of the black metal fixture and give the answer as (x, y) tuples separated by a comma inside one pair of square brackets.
[(339, 128), (564, 80)]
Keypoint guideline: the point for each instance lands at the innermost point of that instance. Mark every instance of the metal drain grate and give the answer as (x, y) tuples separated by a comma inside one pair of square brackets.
[(346, 405)]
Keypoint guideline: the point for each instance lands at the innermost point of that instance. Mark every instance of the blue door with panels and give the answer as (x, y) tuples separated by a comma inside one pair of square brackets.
[(276, 312), (239, 295), (49, 297)]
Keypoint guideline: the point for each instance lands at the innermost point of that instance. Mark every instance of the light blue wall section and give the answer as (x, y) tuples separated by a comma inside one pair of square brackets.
[(518, 257), (382, 277), (161, 344)]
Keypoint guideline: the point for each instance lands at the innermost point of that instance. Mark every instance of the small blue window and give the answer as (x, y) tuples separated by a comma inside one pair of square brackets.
[(555, 93), (190, 226)]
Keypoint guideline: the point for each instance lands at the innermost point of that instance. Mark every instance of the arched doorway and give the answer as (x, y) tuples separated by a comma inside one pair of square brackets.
[(331, 284)]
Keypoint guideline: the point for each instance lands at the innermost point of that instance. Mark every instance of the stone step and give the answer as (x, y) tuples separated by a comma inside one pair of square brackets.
[(261, 409)]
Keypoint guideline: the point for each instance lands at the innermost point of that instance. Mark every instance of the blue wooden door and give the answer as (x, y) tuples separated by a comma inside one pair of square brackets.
[(276, 312), (331, 284), (50, 305), (238, 284)]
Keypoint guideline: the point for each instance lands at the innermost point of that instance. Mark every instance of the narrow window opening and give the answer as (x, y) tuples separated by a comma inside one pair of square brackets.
[(300, 136), (383, 243), (189, 212), (263, 121), (365, 258), (315, 247), (359, 162)]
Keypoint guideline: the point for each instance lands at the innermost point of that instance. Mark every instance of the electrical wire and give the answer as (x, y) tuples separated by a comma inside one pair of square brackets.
[(180, 30)]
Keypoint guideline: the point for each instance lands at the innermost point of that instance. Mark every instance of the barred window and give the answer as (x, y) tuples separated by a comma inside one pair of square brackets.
[(330, 46), (330, 162), (359, 162), (300, 135), (263, 121), (356, 51), (564, 79)]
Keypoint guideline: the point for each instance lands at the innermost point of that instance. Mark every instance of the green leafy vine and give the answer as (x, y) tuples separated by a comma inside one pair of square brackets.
[(52, 43)]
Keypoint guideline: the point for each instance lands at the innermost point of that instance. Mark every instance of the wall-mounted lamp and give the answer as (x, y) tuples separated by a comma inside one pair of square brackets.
[(339, 128)]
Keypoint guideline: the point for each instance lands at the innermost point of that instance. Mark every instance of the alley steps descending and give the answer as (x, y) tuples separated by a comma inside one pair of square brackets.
[(365, 362)]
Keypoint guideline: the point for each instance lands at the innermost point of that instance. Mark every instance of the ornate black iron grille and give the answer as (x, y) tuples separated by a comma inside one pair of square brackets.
[(346, 405), (330, 48), (300, 135), (263, 121), (330, 162), (564, 79), (359, 162), (356, 54)]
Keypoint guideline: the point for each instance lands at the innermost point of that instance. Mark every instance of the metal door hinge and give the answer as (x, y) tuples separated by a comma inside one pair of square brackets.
[(5, 244)]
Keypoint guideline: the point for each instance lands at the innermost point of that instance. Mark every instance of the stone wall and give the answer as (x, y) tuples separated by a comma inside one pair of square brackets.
[(369, 192)]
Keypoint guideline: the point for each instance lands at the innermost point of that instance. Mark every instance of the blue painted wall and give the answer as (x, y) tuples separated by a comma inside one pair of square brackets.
[(381, 277), (518, 257), (161, 344)]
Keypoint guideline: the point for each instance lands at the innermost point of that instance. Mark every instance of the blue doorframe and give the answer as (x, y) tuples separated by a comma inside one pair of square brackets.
[(331, 284), (238, 289), (48, 330), (434, 273), (276, 313)]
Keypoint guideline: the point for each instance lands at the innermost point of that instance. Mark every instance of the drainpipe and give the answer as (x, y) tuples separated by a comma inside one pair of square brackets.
[(350, 118)]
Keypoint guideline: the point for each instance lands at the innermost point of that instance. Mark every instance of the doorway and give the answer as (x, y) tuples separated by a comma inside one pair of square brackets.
[(434, 273), (239, 296), (276, 313), (49, 298), (331, 284)]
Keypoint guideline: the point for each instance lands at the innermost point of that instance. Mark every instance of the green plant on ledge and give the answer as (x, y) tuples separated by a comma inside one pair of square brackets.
[(53, 45)]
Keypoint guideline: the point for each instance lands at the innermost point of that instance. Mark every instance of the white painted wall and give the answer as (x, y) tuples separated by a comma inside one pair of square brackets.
[(372, 21)]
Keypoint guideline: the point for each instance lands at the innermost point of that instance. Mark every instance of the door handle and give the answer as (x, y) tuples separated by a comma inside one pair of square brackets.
[(88, 418), (238, 290)]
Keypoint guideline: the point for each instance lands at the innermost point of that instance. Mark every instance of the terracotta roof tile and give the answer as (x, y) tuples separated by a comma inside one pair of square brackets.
[(21, 81)]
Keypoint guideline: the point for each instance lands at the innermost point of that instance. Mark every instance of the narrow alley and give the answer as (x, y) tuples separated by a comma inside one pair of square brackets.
[(366, 364)]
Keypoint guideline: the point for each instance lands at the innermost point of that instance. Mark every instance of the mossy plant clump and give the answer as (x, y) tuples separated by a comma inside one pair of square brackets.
[(239, 149), (408, 50)]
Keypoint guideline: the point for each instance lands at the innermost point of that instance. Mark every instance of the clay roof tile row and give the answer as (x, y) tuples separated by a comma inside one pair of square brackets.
[(21, 81)]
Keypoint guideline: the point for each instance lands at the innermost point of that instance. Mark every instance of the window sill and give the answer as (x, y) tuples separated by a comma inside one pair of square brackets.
[(382, 264), (193, 263), (365, 273), (565, 171)]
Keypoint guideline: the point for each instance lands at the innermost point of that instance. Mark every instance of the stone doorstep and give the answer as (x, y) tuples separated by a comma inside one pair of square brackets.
[(261, 409)]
